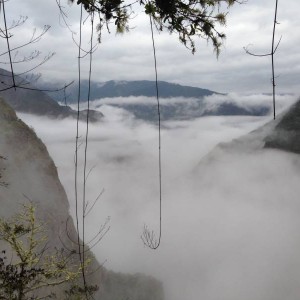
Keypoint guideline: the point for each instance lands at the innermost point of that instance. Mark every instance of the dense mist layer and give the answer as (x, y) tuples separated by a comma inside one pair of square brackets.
[(230, 218)]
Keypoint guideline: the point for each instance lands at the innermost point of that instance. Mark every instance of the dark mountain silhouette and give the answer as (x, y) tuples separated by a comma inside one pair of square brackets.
[(146, 88), (34, 101)]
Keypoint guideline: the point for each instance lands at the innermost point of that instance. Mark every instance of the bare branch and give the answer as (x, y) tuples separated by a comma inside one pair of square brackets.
[(272, 53)]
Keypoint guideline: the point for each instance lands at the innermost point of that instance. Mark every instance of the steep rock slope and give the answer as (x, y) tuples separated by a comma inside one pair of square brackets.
[(283, 133), (286, 134), (31, 174)]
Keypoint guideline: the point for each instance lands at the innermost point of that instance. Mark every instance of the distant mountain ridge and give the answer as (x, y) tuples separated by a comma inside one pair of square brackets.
[(114, 88), (192, 104), (182, 102)]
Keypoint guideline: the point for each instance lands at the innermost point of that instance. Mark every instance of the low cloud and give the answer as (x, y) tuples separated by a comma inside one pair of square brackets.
[(250, 101), (181, 108), (244, 100)]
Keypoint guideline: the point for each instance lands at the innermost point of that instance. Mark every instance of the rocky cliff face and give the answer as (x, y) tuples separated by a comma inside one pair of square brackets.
[(31, 175)]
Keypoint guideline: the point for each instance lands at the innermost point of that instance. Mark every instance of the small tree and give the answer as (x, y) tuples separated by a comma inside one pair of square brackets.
[(32, 273)]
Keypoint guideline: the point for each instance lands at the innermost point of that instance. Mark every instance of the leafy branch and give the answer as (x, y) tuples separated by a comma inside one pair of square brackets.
[(189, 19)]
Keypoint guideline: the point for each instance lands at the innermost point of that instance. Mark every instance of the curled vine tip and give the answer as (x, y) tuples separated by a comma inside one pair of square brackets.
[(149, 239)]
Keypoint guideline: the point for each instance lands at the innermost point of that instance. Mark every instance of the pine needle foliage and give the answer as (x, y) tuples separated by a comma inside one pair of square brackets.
[(27, 270)]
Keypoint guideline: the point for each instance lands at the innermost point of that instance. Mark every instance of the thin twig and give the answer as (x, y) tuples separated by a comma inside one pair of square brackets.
[(8, 45)]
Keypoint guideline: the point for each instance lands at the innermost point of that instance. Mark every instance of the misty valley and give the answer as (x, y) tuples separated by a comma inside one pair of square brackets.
[(230, 205), (149, 150)]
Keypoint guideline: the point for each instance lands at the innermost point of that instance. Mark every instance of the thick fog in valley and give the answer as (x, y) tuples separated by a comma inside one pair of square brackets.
[(230, 218)]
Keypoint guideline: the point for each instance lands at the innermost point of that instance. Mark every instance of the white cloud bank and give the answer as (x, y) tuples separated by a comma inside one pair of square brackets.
[(240, 99)]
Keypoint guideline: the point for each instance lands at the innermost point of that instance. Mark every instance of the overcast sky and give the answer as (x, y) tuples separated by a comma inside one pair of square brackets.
[(130, 57)]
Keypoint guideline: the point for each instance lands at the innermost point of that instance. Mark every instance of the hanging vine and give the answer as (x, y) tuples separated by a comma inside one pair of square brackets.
[(148, 237)]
